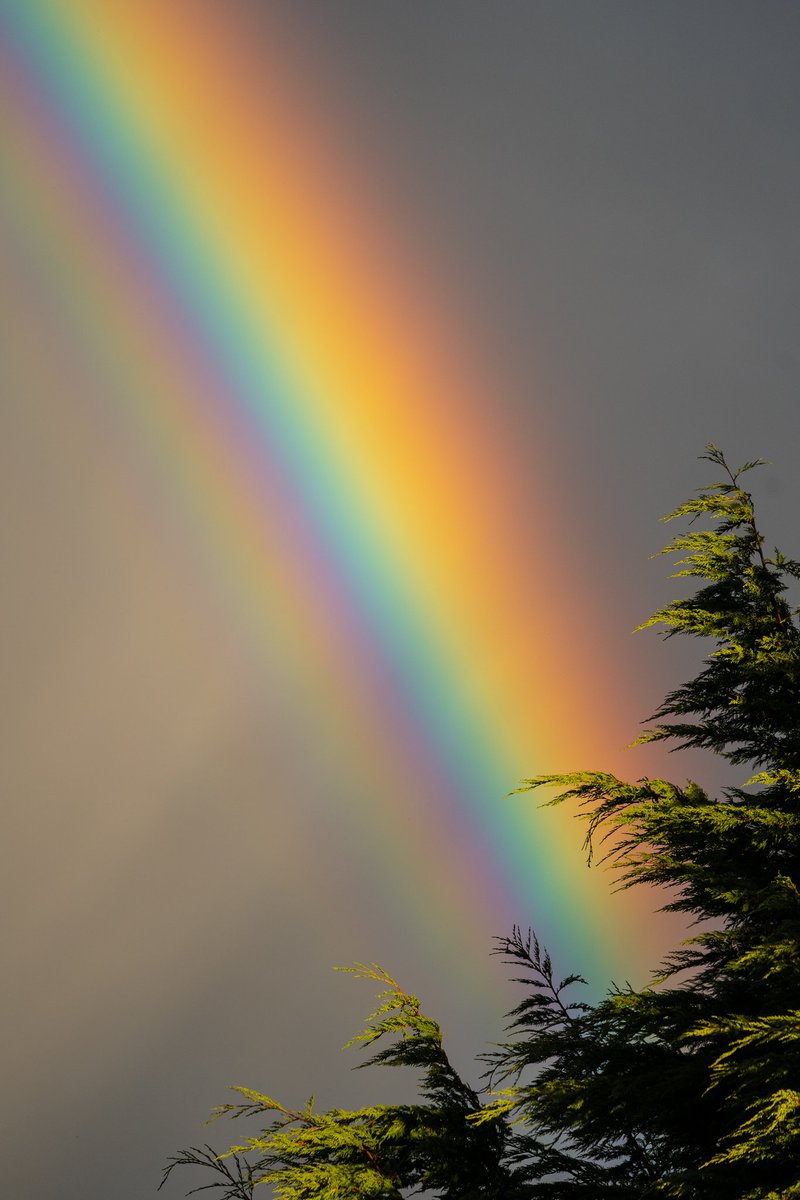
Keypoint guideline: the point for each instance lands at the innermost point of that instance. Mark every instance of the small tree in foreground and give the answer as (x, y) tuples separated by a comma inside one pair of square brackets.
[(689, 1088)]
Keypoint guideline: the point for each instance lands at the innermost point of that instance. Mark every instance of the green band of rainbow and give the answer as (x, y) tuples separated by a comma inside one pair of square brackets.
[(321, 435)]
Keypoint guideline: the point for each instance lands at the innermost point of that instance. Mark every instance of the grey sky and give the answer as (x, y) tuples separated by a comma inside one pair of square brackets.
[(616, 187)]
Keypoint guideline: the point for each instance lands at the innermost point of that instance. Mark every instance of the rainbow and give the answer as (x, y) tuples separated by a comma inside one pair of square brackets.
[(314, 414)]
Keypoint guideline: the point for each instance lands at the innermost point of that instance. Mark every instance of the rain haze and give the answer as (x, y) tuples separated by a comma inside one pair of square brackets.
[(286, 618)]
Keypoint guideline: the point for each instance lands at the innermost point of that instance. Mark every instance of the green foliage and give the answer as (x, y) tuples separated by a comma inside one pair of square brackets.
[(373, 1152), (745, 701), (689, 1088)]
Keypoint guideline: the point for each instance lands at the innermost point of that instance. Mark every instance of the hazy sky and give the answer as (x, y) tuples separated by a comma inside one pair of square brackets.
[(612, 193)]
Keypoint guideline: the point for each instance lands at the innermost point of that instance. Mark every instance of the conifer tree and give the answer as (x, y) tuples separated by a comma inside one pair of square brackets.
[(688, 1088)]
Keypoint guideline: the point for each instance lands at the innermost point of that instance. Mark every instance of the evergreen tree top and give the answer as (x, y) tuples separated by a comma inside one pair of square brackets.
[(745, 700)]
